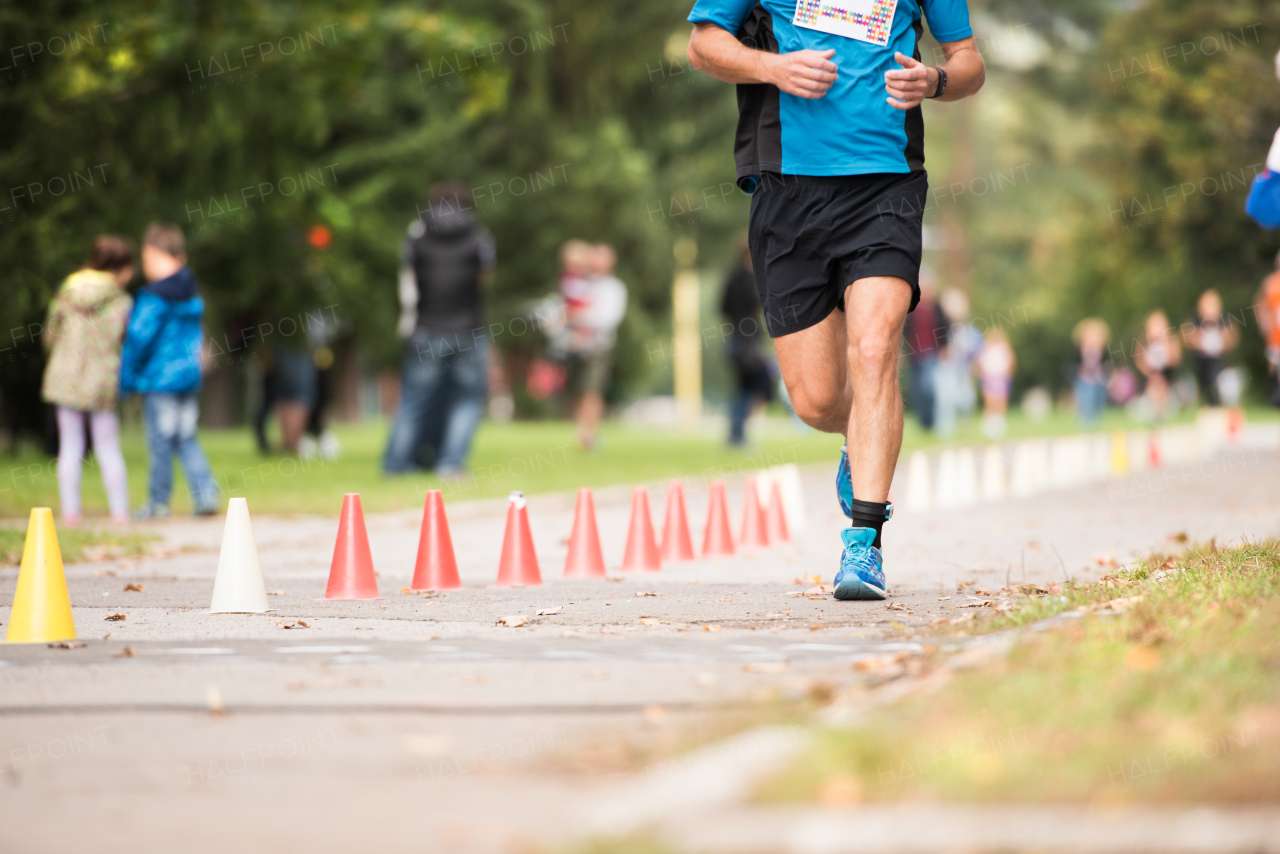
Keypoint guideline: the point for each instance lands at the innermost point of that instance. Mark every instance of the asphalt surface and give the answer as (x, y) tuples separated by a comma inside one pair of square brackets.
[(421, 720)]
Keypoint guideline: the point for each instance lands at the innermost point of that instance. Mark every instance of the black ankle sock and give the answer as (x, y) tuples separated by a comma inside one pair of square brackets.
[(870, 514)]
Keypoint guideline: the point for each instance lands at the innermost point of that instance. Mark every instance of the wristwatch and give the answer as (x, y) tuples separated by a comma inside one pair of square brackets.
[(942, 82)]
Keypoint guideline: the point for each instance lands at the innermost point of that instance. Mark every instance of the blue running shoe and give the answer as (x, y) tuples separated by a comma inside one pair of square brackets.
[(844, 483), (861, 575)]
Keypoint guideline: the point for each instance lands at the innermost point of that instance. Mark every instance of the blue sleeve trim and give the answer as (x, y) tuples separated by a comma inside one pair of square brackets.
[(728, 15)]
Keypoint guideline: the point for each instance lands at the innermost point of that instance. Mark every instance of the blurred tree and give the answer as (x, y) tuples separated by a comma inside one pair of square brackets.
[(248, 123)]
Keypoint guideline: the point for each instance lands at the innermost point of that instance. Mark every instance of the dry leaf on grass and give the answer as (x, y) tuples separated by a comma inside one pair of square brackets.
[(514, 622), (646, 593), (547, 612), (291, 624), (112, 618), (133, 588), (1117, 605), (66, 645)]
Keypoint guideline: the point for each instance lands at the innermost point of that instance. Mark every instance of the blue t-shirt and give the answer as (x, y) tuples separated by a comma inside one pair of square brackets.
[(852, 129)]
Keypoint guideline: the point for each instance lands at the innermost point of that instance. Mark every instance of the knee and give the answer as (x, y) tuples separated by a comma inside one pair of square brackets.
[(815, 403), (873, 353)]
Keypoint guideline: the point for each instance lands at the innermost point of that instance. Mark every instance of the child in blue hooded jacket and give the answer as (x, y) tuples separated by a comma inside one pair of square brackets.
[(162, 362)]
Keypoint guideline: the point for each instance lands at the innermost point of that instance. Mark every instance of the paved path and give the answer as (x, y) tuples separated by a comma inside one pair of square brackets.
[(418, 720)]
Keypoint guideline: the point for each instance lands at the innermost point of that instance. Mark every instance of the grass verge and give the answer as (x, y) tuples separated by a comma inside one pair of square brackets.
[(1164, 690), (78, 544), (532, 456)]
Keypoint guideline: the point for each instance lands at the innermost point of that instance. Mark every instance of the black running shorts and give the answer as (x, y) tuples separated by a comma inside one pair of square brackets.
[(811, 237)]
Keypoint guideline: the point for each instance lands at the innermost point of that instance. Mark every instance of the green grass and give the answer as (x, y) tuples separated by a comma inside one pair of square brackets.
[(77, 544), (532, 456), (1173, 698)]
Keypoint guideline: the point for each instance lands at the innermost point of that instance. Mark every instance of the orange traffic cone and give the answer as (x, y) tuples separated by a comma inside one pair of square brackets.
[(677, 543), (518, 564), (776, 517), (754, 532), (717, 539), (642, 550), (585, 559), (436, 567), (351, 573)]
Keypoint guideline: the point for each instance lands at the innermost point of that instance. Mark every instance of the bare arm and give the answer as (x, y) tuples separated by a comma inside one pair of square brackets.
[(911, 84), (804, 73)]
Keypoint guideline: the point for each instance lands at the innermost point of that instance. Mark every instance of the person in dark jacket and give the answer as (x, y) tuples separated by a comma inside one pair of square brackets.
[(162, 362), (740, 304), (445, 266), (926, 334)]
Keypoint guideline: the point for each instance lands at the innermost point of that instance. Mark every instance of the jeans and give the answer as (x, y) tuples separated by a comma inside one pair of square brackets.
[(923, 388), (754, 384), (442, 393), (169, 421), (1091, 397)]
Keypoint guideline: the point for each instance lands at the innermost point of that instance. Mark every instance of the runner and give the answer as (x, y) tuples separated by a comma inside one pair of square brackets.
[(1267, 306), (836, 169)]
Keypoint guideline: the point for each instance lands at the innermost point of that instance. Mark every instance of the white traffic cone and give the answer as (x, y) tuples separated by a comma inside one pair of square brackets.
[(966, 478), (792, 498), (1038, 452), (238, 587), (1022, 483), (919, 484), (947, 493), (993, 478)]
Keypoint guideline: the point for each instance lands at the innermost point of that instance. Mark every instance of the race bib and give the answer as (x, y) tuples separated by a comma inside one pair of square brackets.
[(864, 20)]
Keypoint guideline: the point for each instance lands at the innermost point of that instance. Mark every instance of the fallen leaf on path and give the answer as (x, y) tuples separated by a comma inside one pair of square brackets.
[(646, 593), (985, 603), (127, 652), (815, 628), (514, 622), (133, 588), (291, 624), (982, 592), (66, 645), (714, 627), (895, 606), (1031, 589), (1104, 559), (101, 572), (840, 790), (112, 618), (765, 666), (275, 592), (650, 621), (943, 598), (547, 612), (615, 578)]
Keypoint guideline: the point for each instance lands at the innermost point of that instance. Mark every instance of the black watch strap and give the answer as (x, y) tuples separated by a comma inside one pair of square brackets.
[(942, 82)]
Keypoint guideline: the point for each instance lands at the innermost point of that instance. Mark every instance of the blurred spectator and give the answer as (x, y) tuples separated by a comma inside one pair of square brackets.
[(1091, 336), (163, 360), (595, 305), (1158, 358), (995, 370), (295, 392), (445, 265), (926, 334), (1210, 337), (84, 333), (740, 303), (953, 381), (1268, 309), (320, 333)]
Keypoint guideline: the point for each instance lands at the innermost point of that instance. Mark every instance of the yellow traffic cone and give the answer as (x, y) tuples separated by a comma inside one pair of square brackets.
[(41, 607)]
